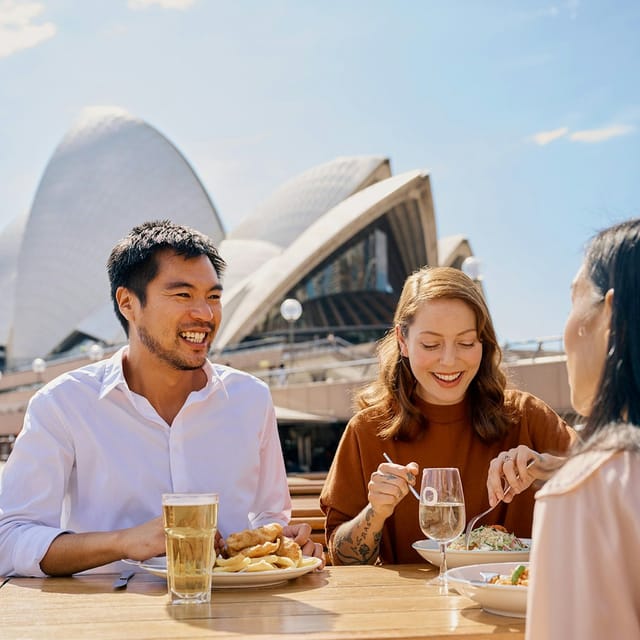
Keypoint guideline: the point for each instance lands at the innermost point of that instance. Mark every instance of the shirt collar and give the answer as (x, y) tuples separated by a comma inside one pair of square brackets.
[(113, 373), (215, 380), (114, 376)]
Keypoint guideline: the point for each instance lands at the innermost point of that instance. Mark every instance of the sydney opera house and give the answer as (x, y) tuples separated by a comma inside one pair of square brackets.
[(340, 238)]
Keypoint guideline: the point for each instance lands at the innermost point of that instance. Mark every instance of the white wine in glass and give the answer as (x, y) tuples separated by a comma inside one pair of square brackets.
[(442, 513)]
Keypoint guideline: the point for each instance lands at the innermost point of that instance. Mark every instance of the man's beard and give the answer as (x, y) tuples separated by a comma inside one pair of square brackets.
[(172, 358)]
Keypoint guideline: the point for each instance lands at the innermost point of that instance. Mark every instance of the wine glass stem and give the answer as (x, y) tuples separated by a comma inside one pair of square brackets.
[(443, 561)]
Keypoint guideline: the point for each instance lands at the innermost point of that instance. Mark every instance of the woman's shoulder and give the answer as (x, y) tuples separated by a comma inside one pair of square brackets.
[(546, 429), (579, 468), (368, 419), (523, 401), (613, 451), (524, 405)]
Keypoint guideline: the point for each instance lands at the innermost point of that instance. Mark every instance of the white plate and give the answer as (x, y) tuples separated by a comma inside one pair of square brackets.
[(242, 580), (504, 600), (430, 551)]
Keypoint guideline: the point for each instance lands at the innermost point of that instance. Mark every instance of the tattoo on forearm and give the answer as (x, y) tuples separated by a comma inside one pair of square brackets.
[(358, 543)]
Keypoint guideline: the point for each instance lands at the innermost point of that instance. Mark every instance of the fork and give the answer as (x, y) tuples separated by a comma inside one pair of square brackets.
[(472, 523), (415, 493)]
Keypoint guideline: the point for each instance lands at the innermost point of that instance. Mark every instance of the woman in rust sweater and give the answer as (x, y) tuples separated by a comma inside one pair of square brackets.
[(439, 401)]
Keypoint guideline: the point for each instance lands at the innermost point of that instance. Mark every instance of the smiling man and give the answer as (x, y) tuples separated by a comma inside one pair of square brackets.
[(101, 444)]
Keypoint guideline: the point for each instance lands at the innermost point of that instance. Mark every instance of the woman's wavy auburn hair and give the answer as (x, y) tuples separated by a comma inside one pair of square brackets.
[(392, 393)]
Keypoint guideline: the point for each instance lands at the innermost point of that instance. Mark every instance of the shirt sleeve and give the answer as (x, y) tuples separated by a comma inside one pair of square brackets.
[(32, 489), (584, 578), (273, 500)]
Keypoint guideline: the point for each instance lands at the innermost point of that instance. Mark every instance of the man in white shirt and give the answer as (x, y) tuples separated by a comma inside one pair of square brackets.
[(82, 487)]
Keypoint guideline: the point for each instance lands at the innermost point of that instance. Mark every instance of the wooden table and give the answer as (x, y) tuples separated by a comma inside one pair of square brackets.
[(360, 602)]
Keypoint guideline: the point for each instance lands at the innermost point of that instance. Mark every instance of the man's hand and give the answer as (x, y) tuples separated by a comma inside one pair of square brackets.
[(218, 543), (144, 541), (301, 533), (73, 552)]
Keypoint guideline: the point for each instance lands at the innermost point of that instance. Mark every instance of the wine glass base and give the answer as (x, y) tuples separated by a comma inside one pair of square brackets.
[(441, 582)]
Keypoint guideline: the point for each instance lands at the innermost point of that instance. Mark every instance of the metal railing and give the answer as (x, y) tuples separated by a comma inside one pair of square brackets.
[(339, 371), (533, 348), (366, 367)]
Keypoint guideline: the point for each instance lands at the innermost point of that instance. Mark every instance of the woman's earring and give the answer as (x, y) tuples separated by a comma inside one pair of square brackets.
[(581, 332)]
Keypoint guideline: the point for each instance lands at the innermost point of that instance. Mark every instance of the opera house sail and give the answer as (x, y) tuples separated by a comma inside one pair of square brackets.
[(347, 234), (110, 172)]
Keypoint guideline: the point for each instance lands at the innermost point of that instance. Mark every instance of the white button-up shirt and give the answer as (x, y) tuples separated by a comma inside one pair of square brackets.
[(95, 456)]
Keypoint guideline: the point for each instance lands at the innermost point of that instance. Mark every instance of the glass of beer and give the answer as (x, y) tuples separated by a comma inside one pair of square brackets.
[(190, 523)]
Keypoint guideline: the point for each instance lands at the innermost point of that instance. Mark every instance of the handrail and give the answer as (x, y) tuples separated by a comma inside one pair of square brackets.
[(533, 348), (511, 355), (539, 342), (320, 366)]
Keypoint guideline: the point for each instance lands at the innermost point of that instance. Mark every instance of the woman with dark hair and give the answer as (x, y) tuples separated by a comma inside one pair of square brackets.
[(585, 579), (439, 401)]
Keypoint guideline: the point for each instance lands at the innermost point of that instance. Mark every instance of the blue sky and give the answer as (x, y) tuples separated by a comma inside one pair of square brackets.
[(526, 113)]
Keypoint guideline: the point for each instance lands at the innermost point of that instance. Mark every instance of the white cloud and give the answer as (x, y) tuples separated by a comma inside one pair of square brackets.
[(18, 30), (163, 4), (586, 135), (545, 137), (601, 135)]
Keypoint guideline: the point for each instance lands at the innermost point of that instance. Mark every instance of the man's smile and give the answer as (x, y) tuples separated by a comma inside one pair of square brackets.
[(196, 337)]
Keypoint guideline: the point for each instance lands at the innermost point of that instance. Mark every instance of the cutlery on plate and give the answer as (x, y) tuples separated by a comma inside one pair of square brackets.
[(487, 575), (415, 493), (123, 579), (472, 523)]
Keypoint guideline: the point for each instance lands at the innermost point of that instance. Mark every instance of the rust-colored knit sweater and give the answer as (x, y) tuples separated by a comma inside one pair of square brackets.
[(449, 441)]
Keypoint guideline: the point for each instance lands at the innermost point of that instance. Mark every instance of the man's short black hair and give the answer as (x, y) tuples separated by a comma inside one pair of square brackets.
[(133, 261)]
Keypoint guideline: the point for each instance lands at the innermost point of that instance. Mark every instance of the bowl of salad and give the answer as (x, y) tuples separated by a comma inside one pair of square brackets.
[(487, 544)]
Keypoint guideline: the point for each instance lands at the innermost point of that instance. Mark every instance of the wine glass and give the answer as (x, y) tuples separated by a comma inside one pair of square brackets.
[(442, 514)]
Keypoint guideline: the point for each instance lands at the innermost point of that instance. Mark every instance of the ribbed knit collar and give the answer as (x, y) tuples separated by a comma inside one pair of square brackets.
[(443, 413)]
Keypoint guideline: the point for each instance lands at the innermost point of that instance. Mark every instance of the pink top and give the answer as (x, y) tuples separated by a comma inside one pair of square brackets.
[(585, 559)]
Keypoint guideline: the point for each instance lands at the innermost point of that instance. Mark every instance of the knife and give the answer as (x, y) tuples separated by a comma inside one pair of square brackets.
[(121, 581)]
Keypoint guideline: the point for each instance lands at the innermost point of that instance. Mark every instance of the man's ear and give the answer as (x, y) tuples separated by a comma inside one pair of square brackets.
[(125, 299)]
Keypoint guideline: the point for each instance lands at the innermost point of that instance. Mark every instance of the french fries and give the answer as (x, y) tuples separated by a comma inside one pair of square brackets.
[(237, 564), (260, 564), (231, 565)]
